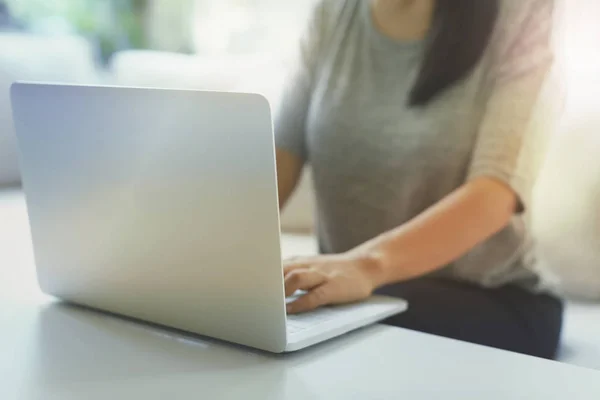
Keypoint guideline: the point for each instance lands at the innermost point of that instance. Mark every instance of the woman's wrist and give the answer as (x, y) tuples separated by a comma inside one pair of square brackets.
[(373, 263)]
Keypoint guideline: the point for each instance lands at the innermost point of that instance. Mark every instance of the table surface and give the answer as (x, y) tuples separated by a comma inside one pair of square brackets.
[(51, 350)]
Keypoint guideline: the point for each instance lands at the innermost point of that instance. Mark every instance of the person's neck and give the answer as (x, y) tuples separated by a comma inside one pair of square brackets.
[(403, 19)]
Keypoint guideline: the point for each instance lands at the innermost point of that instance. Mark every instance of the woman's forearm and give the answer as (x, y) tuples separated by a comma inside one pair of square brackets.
[(441, 234)]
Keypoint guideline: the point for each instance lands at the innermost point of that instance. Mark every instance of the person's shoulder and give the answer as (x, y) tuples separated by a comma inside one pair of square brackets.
[(521, 20), (524, 37), (519, 12)]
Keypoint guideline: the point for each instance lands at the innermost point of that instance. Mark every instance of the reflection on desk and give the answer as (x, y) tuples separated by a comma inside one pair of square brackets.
[(75, 347), (69, 352)]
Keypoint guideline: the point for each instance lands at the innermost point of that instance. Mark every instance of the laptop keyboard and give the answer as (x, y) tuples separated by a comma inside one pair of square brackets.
[(300, 322)]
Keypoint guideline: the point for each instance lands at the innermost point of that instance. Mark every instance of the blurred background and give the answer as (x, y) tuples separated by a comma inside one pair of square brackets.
[(187, 26)]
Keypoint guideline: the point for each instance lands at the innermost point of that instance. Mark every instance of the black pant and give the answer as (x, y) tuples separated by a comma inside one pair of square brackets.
[(508, 318)]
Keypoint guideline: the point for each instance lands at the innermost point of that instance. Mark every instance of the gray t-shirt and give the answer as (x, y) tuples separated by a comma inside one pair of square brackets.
[(378, 163)]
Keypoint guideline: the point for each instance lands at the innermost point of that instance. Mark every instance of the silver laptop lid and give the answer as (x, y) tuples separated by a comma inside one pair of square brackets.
[(156, 204)]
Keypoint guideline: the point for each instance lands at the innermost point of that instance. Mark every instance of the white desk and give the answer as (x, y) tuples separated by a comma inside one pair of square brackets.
[(53, 351)]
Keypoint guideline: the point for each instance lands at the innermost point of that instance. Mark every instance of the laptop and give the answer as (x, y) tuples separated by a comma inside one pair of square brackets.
[(161, 205)]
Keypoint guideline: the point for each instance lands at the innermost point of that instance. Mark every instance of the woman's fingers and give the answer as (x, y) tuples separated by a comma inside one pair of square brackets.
[(327, 280), (316, 298), (303, 279), (295, 264)]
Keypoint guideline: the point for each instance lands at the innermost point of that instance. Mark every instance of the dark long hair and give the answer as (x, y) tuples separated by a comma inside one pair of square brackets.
[(459, 37)]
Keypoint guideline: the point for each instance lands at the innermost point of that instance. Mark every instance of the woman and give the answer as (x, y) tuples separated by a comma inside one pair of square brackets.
[(412, 115)]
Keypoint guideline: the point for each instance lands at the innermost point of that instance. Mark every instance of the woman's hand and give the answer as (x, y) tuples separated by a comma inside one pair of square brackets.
[(329, 279)]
